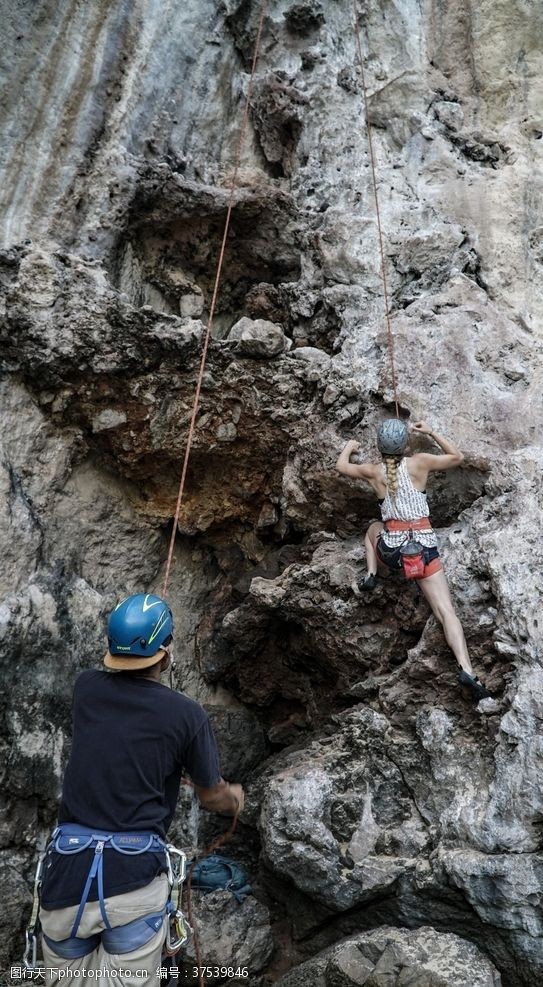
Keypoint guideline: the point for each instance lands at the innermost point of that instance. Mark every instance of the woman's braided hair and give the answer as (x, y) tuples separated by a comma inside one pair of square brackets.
[(392, 440), (391, 470)]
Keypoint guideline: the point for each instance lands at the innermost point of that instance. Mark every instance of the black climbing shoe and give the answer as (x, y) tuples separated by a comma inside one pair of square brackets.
[(370, 582), (478, 690)]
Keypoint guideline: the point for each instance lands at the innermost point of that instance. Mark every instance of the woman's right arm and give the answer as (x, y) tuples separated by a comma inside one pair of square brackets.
[(364, 471)]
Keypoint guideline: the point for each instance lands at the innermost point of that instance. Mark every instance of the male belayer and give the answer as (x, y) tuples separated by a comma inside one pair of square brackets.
[(104, 898), (405, 539)]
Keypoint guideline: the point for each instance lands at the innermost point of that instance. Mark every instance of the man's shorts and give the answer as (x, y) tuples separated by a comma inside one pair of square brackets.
[(391, 557)]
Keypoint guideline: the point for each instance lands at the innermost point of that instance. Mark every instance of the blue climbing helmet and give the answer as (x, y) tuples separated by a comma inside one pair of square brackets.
[(392, 437), (140, 626)]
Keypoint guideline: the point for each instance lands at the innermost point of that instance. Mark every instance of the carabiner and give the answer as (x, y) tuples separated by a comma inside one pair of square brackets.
[(179, 874), (178, 932), (31, 949)]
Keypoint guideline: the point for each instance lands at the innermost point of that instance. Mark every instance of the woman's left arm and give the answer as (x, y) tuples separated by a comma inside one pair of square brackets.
[(452, 456)]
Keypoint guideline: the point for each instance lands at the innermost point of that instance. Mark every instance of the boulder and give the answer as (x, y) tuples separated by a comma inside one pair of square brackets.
[(258, 339), (231, 934), (390, 957)]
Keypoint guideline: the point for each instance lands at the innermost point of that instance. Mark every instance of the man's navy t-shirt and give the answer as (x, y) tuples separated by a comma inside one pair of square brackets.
[(133, 738)]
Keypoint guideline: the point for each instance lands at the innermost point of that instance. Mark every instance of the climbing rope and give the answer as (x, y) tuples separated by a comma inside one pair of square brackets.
[(207, 335), (215, 845), (390, 336), (221, 840)]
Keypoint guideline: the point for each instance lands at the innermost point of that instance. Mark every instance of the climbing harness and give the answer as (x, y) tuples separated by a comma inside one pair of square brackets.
[(411, 550), (68, 839), (390, 336), (422, 524)]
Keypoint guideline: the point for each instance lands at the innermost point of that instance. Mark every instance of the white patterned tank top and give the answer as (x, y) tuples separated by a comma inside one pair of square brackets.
[(409, 504)]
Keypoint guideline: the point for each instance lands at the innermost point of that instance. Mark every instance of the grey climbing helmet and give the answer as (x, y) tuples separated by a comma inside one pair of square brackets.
[(392, 437)]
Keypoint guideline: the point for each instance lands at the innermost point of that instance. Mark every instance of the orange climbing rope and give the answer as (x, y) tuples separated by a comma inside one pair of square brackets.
[(390, 336), (215, 845), (190, 437), (207, 335)]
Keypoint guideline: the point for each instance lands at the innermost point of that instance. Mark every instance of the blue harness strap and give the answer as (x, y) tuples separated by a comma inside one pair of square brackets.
[(124, 938), (121, 939), (70, 838), (72, 948), (96, 870)]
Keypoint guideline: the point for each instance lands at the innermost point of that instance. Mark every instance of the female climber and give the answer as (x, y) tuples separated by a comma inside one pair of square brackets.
[(399, 482)]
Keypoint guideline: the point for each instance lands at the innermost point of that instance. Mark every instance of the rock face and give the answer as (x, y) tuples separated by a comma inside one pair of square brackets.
[(377, 795), (367, 820), (397, 958), (231, 934)]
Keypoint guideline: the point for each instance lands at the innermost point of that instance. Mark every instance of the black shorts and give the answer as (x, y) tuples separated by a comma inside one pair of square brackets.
[(392, 558)]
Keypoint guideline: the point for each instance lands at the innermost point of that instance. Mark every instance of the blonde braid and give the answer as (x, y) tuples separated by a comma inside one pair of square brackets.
[(391, 469)]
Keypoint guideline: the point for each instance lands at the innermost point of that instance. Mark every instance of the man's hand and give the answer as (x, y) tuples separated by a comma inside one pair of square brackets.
[(223, 797), (422, 427), (237, 793)]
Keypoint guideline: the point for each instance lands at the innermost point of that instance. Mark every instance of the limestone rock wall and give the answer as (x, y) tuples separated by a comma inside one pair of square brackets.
[(378, 797)]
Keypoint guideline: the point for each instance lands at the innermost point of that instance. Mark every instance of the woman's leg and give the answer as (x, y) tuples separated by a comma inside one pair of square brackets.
[(436, 591), (370, 540)]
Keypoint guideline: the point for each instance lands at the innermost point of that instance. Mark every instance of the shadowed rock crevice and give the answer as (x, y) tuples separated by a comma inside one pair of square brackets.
[(428, 260), (402, 910), (169, 262), (277, 116), (486, 151)]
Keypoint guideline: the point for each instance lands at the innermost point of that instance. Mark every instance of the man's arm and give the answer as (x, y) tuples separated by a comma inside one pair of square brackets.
[(365, 471), (201, 760), (222, 797), (452, 456)]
